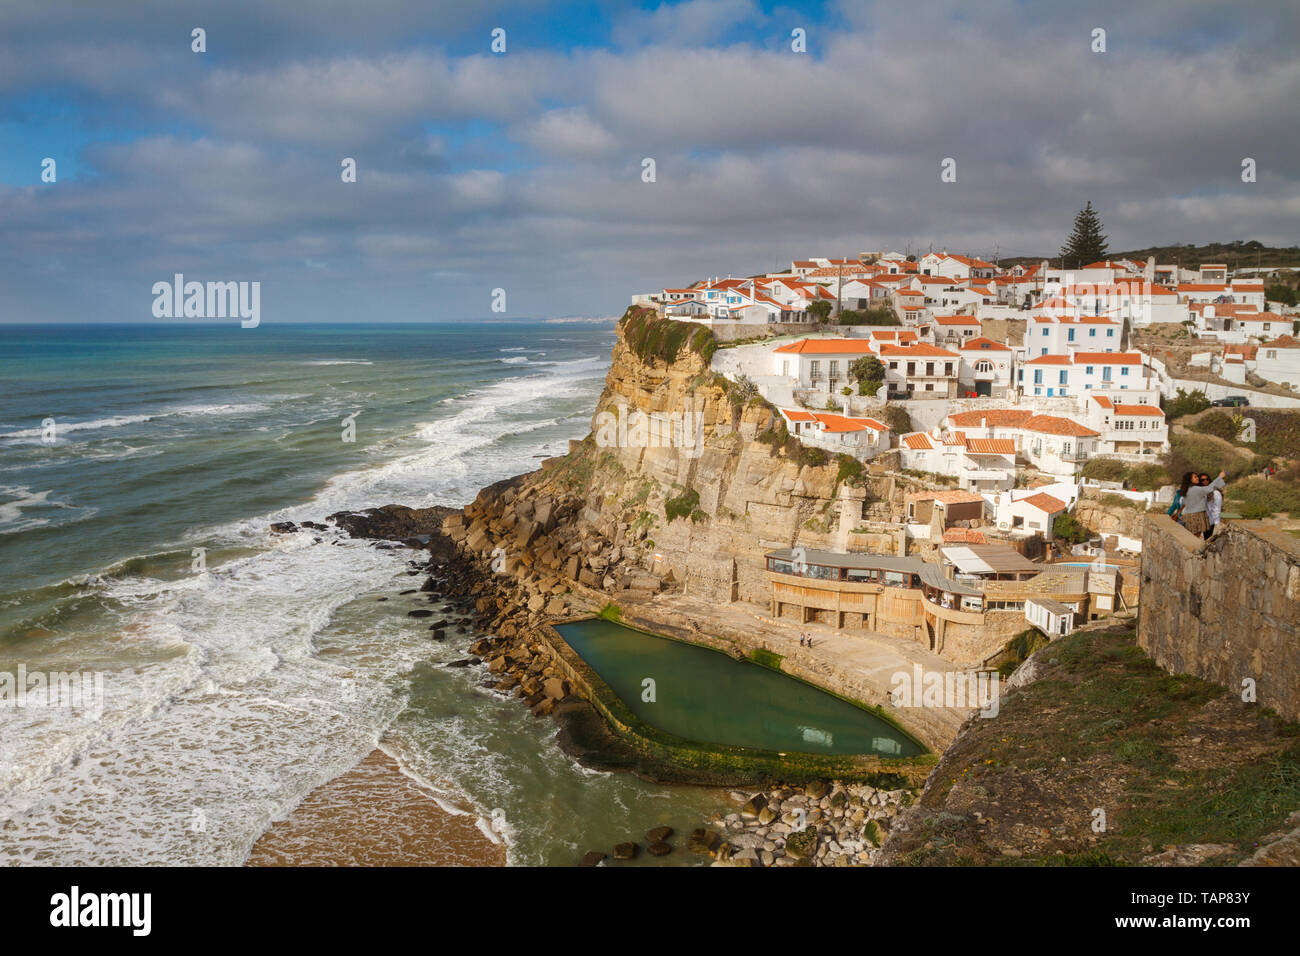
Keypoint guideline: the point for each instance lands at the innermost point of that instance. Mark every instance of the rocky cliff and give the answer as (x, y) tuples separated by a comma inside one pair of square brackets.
[(690, 495)]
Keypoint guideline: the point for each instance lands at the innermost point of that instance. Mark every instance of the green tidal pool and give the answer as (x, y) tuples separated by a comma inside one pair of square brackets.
[(706, 696)]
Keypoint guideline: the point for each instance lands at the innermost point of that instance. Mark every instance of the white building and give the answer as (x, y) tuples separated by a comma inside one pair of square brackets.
[(821, 364), (1128, 429), (923, 371), (863, 438), (987, 368)]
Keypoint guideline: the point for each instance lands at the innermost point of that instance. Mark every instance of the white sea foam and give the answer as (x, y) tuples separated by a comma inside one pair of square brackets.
[(220, 714), (339, 362)]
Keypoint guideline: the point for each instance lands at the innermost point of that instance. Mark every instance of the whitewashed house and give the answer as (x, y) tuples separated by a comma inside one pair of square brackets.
[(821, 364), (987, 367), (863, 438)]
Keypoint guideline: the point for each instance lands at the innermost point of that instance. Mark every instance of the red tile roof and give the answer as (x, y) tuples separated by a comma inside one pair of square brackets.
[(1055, 425), (995, 417), (990, 446), (920, 349), (983, 343), (1139, 410), (1045, 502), (827, 347), (918, 440)]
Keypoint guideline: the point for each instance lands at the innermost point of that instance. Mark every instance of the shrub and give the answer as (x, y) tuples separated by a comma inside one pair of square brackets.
[(1067, 528), (683, 505), (873, 316), (1105, 469), (850, 470), (1256, 498), (1186, 404), (1147, 477), (1219, 424), (896, 417), (651, 337)]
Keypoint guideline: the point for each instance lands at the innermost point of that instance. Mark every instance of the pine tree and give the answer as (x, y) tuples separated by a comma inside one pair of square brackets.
[(1086, 243)]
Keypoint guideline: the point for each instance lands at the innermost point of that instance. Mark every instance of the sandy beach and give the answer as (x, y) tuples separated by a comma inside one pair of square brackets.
[(375, 815)]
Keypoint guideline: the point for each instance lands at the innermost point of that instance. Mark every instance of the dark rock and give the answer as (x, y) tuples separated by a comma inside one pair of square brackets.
[(463, 662), (591, 858), (626, 851), (407, 591), (659, 834), (659, 849), (283, 527), (703, 841), (419, 613)]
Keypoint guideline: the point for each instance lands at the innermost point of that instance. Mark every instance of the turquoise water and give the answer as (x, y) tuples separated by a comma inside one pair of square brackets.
[(233, 688), (706, 696)]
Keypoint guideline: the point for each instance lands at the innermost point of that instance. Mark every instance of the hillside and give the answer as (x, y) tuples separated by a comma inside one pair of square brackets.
[(1238, 254), (1098, 757)]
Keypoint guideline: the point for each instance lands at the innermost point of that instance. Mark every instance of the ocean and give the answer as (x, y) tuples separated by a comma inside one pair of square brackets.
[(140, 468)]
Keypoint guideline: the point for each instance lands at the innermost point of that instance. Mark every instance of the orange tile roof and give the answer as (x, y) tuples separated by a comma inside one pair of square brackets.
[(956, 320), (1139, 410), (1050, 360), (990, 446), (1103, 401), (827, 347), (797, 416), (918, 440), (983, 343), (1108, 358), (1005, 417), (838, 423), (919, 349), (1045, 502), (1055, 425)]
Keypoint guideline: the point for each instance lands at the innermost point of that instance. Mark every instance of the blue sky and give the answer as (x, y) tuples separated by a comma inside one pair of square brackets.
[(522, 171)]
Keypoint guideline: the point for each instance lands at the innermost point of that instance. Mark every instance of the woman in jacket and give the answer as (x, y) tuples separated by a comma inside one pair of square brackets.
[(1179, 494), (1195, 518)]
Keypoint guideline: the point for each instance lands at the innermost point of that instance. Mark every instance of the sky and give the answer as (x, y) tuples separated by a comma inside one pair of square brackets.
[(524, 170)]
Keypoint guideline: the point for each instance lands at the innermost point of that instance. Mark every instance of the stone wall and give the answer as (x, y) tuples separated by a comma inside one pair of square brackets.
[(1224, 610), (732, 332)]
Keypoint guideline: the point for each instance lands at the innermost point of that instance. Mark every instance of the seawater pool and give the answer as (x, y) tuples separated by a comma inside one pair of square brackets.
[(705, 696)]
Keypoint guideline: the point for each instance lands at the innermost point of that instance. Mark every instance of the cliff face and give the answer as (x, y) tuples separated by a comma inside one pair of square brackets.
[(699, 504)]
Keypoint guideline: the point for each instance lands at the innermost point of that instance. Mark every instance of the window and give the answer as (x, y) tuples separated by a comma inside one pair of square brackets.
[(1044, 331), (1070, 336), (835, 367), (1105, 373), (1271, 353), (1124, 370), (1038, 376), (988, 366), (1110, 333), (1065, 376), (816, 367), (1092, 333), (947, 368), (1087, 370)]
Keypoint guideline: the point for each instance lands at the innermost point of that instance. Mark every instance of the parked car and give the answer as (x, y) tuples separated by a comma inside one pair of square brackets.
[(1231, 401)]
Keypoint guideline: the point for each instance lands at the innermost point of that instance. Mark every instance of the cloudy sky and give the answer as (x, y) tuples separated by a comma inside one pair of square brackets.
[(523, 170)]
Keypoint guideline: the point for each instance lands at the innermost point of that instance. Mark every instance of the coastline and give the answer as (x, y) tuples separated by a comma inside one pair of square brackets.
[(376, 815)]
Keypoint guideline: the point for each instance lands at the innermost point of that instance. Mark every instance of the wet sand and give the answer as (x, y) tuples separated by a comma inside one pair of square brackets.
[(375, 815)]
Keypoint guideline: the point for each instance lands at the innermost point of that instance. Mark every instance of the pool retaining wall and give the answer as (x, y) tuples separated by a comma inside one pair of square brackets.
[(719, 761)]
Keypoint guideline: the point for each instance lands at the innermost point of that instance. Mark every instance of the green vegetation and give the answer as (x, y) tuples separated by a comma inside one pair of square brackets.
[(1280, 293), (743, 392), (685, 505), (1191, 452), (1086, 243), (872, 832), (1174, 760), (820, 310), (850, 470), (1235, 255), (1186, 404), (869, 372), (1142, 477), (1257, 498), (1068, 528), (651, 337), (895, 416), (769, 659), (611, 612), (873, 316), (1018, 649)]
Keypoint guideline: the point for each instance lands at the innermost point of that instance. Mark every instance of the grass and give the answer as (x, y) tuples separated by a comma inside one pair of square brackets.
[(611, 612), (651, 337), (1171, 759)]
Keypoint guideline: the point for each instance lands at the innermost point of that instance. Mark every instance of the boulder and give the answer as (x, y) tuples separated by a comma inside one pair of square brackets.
[(659, 834), (626, 851), (659, 849)]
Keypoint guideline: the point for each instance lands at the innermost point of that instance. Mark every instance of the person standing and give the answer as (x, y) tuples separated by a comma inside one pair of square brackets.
[(1213, 505), (1195, 519), (1180, 493)]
